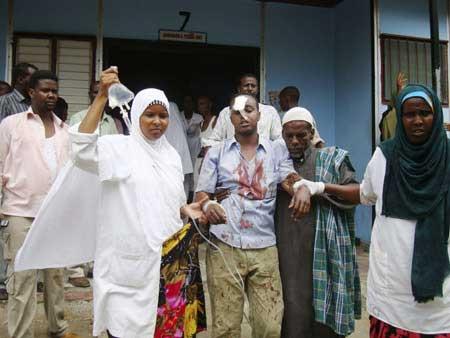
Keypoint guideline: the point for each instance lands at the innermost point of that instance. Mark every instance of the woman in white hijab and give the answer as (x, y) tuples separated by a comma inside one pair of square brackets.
[(130, 199)]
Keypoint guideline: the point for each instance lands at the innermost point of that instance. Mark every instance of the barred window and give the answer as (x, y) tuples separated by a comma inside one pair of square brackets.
[(412, 56)]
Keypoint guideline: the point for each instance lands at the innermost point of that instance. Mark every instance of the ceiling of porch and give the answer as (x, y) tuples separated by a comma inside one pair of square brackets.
[(317, 3)]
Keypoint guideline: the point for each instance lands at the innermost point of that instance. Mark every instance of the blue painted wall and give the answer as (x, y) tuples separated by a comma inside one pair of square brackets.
[(300, 52), (410, 17), (232, 22), (58, 17), (354, 92), (3, 36)]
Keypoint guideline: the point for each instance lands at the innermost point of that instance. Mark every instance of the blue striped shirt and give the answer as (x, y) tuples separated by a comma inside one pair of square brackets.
[(13, 103)]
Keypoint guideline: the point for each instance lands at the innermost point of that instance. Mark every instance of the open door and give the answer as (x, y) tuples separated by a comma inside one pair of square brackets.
[(180, 69)]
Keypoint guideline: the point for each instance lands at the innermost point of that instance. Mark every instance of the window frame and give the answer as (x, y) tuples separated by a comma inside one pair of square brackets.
[(444, 65), (54, 45)]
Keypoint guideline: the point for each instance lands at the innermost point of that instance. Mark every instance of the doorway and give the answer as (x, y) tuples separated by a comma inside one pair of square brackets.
[(180, 68)]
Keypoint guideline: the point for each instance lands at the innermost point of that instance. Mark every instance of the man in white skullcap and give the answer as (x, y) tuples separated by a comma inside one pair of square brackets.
[(317, 251), (316, 141)]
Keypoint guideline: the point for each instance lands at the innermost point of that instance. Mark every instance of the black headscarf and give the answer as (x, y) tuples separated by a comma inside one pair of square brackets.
[(416, 187)]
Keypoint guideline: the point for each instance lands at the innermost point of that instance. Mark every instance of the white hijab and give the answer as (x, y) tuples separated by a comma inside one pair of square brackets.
[(162, 195)]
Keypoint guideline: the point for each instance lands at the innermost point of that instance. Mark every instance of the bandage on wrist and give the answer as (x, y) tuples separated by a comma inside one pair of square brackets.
[(211, 202), (298, 184)]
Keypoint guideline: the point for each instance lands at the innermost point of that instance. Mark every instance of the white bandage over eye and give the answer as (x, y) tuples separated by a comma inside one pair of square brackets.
[(239, 105)]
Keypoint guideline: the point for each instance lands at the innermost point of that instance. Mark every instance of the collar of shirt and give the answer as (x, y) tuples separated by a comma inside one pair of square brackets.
[(56, 119), (262, 143)]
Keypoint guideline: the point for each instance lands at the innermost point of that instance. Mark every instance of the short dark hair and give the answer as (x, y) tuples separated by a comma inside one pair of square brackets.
[(21, 69), (61, 104), (61, 109), (291, 91), (238, 81), (42, 75), (4, 83)]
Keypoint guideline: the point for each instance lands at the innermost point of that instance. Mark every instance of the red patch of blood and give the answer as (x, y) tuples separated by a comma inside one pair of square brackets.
[(251, 187)]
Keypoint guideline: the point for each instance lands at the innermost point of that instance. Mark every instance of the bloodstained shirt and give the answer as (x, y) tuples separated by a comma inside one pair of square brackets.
[(250, 206)]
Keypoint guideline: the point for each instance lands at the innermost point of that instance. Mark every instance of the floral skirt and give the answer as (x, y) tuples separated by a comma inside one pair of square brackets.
[(181, 306), (380, 329)]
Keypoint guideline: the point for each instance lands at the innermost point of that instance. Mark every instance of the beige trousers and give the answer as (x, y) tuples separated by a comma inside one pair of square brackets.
[(259, 271), (21, 287)]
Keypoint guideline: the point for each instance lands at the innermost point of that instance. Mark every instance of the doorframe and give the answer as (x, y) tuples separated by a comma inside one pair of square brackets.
[(181, 48)]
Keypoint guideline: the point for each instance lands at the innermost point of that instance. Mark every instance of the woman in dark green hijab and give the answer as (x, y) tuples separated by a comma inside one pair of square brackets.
[(416, 185), (408, 179)]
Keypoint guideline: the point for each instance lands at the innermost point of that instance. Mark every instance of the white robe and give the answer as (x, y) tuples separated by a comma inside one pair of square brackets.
[(177, 137), (193, 131), (116, 202)]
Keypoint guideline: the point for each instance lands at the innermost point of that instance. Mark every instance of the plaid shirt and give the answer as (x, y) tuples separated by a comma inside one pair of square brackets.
[(337, 291), (13, 103)]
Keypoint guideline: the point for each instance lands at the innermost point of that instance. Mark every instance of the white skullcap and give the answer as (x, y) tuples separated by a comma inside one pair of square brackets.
[(298, 114), (303, 114)]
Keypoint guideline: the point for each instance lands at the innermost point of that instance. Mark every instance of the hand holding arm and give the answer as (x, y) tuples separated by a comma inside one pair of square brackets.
[(301, 202), (194, 210)]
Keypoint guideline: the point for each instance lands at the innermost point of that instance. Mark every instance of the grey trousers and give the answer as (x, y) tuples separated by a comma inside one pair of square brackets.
[(21, 287), (3, 265)]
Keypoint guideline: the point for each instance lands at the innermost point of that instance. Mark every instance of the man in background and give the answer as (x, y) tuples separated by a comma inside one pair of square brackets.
[(289, 97), (107, 125), (269, 125), (193, 123), (34, 146), (18, 100)]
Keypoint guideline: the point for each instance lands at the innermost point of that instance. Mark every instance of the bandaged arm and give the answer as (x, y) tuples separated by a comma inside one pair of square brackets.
[(347, 192), (353, 193)]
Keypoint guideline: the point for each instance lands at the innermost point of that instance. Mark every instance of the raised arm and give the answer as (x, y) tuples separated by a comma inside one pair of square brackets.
[(95, 112)]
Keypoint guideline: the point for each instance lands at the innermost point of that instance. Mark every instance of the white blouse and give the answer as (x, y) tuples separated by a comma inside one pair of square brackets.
[(389, 292)]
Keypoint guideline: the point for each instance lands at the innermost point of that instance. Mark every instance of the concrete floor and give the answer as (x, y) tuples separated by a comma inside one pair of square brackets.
[(79, 308)]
